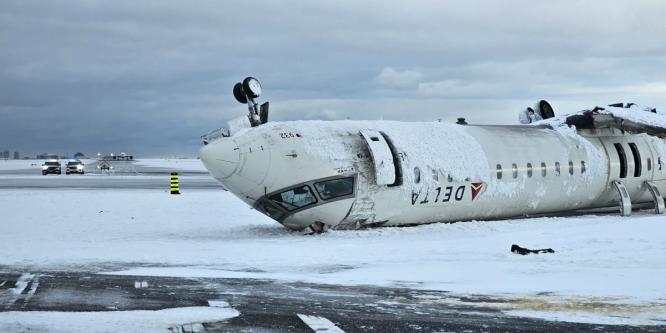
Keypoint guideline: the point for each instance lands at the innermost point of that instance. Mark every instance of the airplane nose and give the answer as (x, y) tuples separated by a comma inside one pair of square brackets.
[(221, 157)]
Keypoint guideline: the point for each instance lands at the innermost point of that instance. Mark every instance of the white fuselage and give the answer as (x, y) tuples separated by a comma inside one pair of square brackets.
[(356, 173)]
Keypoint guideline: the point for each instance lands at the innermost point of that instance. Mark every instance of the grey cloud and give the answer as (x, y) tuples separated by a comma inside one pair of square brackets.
[(149, 77), (399, 78)]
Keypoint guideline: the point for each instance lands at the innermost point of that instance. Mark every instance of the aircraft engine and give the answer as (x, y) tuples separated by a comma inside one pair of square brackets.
[(544, 109)]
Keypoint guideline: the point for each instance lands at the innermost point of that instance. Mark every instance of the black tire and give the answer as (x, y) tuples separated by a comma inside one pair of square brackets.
[(239, 94), (43, 173), (247, 89)]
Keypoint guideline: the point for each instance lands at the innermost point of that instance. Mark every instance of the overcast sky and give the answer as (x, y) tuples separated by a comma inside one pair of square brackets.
[(150, 77)]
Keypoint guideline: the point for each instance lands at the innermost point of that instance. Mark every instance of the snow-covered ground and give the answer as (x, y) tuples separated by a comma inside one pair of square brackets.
[(178, 164), (113, 321), (606, 269)]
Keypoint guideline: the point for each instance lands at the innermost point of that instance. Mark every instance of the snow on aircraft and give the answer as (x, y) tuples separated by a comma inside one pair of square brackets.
[(314, 175)]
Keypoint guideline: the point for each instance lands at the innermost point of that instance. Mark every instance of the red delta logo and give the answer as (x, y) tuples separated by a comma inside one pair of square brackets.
[(476, 189)]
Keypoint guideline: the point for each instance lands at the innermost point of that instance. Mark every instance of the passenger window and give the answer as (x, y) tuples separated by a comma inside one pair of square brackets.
[(529, 170), (417, 175), (571, 168), (514, 168), (543, 169), (557, 168), (435, 176), (649, 164), (582, 167), (499, 171), (335, 188), (295, 198)]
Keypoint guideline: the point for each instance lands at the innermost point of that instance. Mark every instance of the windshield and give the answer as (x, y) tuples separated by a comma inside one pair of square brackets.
[(272, 211), (74, 163), (335, 188), (295, 198), (51, 163)]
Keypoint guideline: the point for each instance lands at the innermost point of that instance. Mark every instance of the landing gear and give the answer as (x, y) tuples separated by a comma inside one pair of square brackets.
[(625, 201), (245, 93), (656, 198)]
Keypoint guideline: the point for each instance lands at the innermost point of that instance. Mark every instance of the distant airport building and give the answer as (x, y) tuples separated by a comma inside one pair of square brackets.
[(114, 157), (79, 155), (47, 156), (5, 154), (16, 155)]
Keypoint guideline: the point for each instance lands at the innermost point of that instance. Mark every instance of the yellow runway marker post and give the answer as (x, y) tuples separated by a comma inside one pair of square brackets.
[(175, 188)]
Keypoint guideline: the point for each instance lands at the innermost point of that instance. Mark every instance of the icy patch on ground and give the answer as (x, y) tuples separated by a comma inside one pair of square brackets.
[(602, 316), (112, 321), (582, 309)]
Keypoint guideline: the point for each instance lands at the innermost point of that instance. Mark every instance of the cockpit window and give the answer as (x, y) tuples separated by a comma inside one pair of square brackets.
[(335, 188), (295, 198), (272, 211)]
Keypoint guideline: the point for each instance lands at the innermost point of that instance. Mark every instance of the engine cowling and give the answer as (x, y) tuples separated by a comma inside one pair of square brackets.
[(541, 110), (544, 109)]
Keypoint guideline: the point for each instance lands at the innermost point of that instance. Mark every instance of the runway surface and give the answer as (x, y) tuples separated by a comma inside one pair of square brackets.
[(271, 306), (126, 175)]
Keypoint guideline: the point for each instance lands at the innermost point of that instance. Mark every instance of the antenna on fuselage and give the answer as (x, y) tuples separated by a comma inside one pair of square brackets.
[(245, 93)]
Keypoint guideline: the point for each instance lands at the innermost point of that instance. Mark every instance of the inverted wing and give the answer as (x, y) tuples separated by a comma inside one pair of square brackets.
[(633, 120)]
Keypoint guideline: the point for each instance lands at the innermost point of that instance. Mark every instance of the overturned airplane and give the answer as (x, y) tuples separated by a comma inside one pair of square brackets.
[(314, 175)]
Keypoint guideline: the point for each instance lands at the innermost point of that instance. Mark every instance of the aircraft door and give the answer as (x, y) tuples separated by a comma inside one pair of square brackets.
[(382, 157), (658, 162)]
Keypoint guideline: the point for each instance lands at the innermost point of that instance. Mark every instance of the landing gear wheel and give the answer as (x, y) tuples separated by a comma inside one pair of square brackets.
[(251, 87), (239, 94)]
